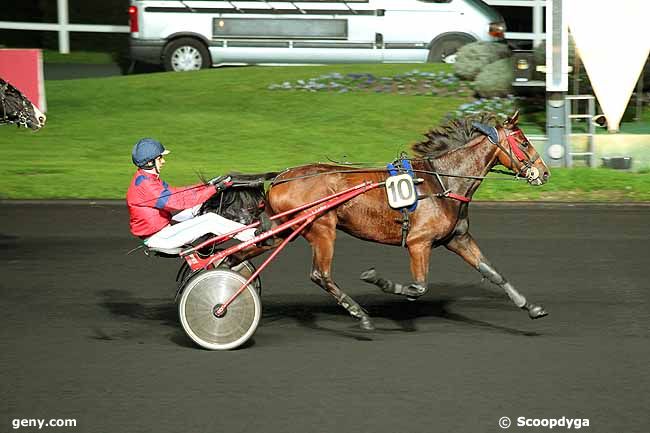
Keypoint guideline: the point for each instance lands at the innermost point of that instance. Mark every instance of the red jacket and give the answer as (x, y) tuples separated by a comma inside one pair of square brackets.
[(152, 202)]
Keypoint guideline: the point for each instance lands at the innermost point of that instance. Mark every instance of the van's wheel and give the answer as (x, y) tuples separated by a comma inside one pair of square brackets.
[(186, 54), (202, 297), (444, 49)]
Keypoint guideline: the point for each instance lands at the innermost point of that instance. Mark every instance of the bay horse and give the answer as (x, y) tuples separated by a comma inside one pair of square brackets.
[(16, 109), (452, 161)]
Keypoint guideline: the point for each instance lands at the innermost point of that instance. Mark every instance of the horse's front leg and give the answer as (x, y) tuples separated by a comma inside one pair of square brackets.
[(419, 254), (465, 246)]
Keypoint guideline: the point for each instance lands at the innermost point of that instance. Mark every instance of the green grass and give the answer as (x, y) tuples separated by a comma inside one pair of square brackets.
[(83, 57), (221, 120), (573, 185)]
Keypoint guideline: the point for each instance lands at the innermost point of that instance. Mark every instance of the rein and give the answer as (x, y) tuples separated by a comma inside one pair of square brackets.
[(525, 169), (383, 170)]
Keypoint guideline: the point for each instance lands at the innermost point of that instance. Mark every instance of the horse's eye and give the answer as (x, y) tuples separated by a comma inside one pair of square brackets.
[(525, 143)]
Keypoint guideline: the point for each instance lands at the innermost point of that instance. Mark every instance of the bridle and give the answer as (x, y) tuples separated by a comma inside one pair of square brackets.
[(522, 163), (22, 115)]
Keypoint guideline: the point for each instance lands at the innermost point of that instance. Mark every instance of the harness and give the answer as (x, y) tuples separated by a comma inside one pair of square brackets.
[(399, 166), (524, 161)]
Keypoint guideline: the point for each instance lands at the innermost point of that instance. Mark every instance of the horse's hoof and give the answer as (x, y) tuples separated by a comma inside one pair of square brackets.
[(369, 276), (414, 291), (366, 324), (536, 311)]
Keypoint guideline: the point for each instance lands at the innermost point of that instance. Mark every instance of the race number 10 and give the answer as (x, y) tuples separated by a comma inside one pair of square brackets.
[(400, 191)]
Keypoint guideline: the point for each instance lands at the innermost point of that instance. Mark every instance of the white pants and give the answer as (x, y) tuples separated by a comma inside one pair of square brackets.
[(177, 235)]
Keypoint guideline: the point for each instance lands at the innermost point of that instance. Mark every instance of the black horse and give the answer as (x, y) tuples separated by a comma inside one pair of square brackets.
[(16, 109)]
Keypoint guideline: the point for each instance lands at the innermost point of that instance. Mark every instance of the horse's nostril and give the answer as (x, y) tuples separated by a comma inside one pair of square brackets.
[(545, 176)]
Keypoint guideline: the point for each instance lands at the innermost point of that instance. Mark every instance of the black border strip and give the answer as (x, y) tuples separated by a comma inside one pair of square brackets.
[(171, 9), (358, 45), (264, 43), (257, 44)]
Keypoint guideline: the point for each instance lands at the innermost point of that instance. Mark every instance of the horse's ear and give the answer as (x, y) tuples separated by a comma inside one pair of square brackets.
[(512, 120)]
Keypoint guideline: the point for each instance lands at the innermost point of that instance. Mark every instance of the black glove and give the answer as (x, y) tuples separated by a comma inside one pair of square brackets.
[(221, 182)]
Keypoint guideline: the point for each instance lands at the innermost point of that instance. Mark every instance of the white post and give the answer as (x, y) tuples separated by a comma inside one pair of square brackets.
[(538, 23), (64, 34)]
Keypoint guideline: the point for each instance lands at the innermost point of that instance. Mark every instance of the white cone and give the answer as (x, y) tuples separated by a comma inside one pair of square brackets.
[(613, 41)]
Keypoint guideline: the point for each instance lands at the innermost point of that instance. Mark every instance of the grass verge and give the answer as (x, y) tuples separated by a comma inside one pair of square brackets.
[(226, 119)]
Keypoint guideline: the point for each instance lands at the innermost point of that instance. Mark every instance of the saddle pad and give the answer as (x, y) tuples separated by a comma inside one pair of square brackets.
[(403, 165)]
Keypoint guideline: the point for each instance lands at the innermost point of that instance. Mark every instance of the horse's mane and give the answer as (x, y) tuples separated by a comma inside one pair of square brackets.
[(453, 134)]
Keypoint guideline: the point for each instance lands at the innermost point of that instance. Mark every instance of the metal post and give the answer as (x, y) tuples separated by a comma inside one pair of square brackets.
[(576, 82), (557, 83), (592, 130), (64, 34), (558, 131), (538, 23), (639, 95)]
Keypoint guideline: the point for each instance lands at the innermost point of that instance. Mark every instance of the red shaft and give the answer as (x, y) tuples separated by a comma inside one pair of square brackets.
[(333, 202), (228, 235), (220, 311)]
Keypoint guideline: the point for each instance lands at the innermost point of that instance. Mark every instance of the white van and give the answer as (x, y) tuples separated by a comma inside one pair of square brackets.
[(194, 34)]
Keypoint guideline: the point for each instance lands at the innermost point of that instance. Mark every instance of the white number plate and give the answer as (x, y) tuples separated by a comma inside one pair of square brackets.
[(401, 191)]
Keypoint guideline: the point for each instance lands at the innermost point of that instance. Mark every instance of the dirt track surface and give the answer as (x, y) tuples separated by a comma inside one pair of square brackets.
[(91, 333)]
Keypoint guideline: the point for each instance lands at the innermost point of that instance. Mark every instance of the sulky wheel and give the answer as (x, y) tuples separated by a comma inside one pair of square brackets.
[(246, 269), (203, 295)]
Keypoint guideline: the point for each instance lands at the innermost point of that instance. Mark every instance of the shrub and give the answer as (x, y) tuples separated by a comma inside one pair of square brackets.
[(495, 79), (472, 58)]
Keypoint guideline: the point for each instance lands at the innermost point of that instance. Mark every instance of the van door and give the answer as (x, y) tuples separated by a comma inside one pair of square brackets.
[(410, 25), (296, 32), (365, 40)]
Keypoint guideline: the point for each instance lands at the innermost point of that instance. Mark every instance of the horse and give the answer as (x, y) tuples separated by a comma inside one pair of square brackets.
[(16, 109), (452, 160)]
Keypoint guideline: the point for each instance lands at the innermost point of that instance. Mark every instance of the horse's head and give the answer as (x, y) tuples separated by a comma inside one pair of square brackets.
[(17, 109), (518, 154)]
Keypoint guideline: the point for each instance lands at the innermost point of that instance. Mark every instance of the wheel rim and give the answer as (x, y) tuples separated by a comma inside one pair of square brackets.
[(186, 58), (450, 59), (449, 50), (198, 304)]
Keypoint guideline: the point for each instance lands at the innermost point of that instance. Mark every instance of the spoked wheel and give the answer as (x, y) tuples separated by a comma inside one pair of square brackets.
[(201, 298)]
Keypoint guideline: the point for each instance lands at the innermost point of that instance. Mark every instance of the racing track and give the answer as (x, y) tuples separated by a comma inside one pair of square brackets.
[(90, 333)]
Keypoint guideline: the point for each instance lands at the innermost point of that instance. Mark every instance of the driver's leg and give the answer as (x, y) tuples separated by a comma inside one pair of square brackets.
[(174, 236)]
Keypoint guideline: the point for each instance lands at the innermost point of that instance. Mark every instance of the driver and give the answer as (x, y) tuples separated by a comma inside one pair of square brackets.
[(164, 216)]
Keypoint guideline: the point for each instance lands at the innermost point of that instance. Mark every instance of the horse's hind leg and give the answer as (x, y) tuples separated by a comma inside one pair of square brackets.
[(466, 247), (419, 254), (321, 236)]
